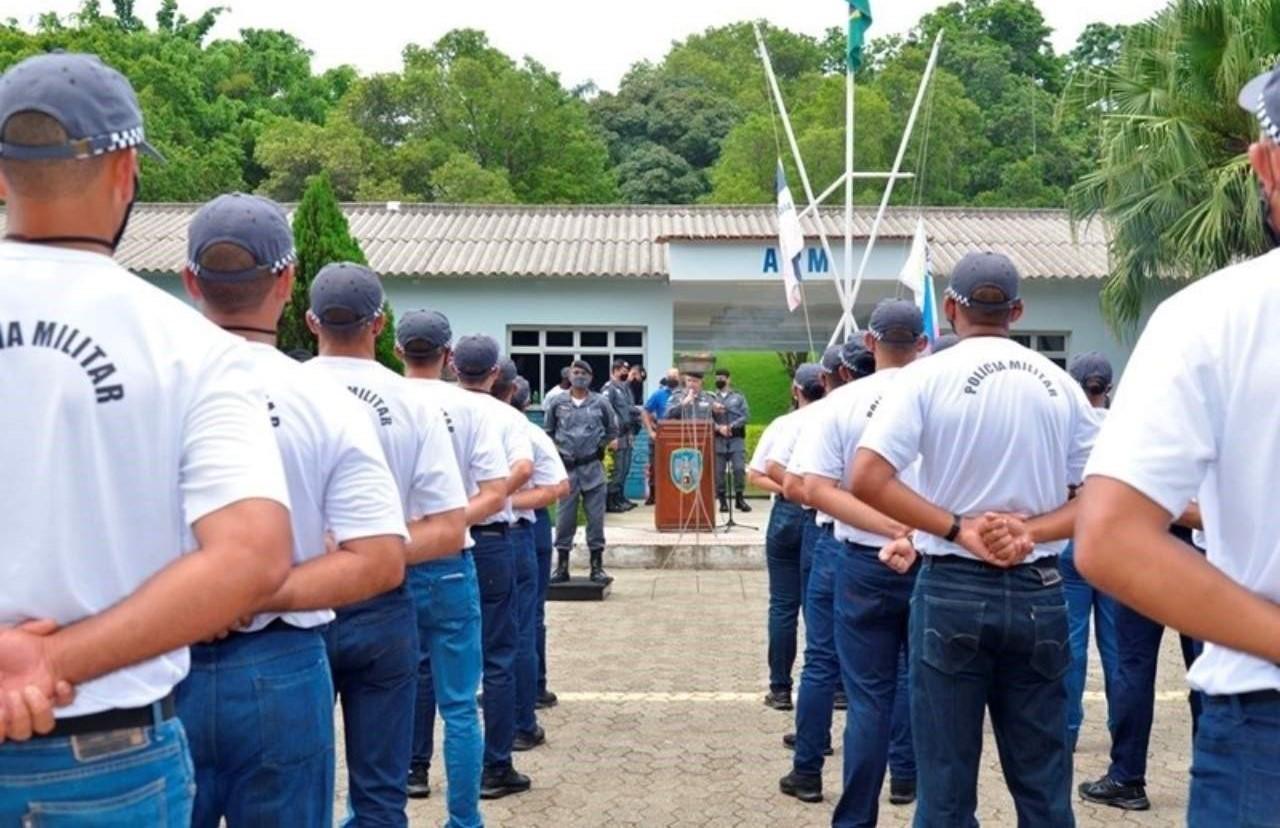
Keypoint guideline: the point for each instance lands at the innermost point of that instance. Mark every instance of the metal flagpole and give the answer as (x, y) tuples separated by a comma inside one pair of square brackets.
[(795, 152), (846, 318), (839, 182), (852, 290)]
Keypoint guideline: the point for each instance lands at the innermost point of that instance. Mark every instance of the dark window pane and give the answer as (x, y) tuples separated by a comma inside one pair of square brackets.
[(595, 339), (530, 367), (524, 339), (552, 364), (632, 359), (628, 339), (600, 365), (1060, 362), (560, 339), (1022, 339), (1053, 342)]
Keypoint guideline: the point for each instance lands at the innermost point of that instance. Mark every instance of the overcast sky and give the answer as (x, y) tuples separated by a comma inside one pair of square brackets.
[(581, 39)]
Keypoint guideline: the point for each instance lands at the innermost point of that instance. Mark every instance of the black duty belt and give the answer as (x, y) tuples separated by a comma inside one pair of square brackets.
[(490, 529), (109, 720), (524, 522), (571, 463)]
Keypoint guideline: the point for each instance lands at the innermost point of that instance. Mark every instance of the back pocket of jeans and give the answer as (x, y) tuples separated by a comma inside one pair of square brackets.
[(142, 806), (952, 632), (295, 715), (455, 597), (1051, 655)]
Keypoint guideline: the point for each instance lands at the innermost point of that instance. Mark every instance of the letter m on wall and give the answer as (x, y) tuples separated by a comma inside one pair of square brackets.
[(818, 260)]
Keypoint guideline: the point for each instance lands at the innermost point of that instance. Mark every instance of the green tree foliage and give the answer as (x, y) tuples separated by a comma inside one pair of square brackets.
[(323, 236), (1173, 181)]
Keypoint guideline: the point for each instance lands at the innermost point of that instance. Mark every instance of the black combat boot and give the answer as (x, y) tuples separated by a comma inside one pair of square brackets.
[(724, 504), (741, 503), (561, 575), (598, 575)]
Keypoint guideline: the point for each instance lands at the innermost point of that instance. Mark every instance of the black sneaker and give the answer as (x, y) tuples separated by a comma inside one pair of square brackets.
[(803, 788), (789, 742), (779, 700), (1107, 791), (419, 786), (902, 791), (546, 699), (529, 741), (503, 783), (840, 701)]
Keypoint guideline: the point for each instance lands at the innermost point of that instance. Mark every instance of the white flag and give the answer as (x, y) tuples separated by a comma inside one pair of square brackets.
[(917, 274), (790, 241)]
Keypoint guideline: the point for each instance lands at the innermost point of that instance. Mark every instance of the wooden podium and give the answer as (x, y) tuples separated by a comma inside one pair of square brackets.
[(683, 476)]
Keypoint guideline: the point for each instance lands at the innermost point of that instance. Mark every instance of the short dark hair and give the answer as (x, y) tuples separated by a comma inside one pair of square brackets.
[(722, 372), (813, 391), (233, 297), (421, 359), (980, 315), (621, 363), (46, 178)]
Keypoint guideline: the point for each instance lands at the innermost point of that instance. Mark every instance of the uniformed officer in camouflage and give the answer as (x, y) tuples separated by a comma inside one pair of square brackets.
[(731, 444), (583, 425), (692, 403), (618, 392)]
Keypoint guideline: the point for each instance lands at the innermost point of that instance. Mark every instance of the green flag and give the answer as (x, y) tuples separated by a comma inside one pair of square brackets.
[(859, 22)]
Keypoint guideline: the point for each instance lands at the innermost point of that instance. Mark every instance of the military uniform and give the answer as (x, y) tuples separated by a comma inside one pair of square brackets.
[(621, 401), (733, 412), (581, 431), (702, 407)]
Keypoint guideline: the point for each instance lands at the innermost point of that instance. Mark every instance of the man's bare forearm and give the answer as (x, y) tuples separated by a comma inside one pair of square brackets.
[(762, 481), (876, 484), (535, 498), (356, 570), (1057, 525), (521, 473), (826, 496), (436, 536), (1123, 547), (487, 501), (198, 596)]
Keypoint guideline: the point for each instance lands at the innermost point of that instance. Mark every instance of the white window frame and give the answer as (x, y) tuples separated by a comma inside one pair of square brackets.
[(1035, 341), (577, 350)]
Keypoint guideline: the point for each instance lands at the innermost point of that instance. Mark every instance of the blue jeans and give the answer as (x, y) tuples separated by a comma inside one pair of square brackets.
[(821, 673), (258, 711), (543, 544), (526, 609), (873, 604), (373, 653), (496, 569), (1133, 700), (1083, 601), (447, 597), (782, 555), (986, 639), (44, 783), (1235, 767), (809, 535)]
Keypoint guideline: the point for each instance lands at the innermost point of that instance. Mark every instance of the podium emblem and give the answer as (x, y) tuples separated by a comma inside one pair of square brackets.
[(686, 469)]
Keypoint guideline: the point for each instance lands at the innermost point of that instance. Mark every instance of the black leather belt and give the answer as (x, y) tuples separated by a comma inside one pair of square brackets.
[(1048, 562), (490, 529), (109, 720), (524, 522)]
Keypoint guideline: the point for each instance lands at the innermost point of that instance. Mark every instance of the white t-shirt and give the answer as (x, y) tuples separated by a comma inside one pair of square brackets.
[(1193, 420), (997, 427), (548, 468), (412, 433), (125, 417), (337, 474), (480, 452), (551, 395), (799, 426), (831, 438), (512, 429), (778, 430)]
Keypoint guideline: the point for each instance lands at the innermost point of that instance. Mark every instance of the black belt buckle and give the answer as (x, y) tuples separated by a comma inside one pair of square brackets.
[(490, 530)]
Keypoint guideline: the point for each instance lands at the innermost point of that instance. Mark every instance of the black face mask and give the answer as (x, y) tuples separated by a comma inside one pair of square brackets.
[(670, 383), (721, 384), (112, 245)]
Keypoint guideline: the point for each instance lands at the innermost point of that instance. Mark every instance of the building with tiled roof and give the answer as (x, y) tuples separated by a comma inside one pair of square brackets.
[(644, 282)]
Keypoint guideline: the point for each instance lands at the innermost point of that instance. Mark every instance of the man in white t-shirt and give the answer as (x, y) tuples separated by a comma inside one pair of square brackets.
[(446, 590), (1190, 420), (373, 645), (783, 541), (476, 362), (549, 483), (998, 429), (258, 704), (132, 431), (871, 601)]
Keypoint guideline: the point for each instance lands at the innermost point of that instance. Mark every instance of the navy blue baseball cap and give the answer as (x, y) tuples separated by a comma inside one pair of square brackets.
[(855, 357), (345, 295), (830, 359), (93, 103), (254, 224), (507, 370), (1092, 365), (984, 271), (1261, 97), (897, 322), (808, 374), (423, 332), (520, 396), (475, 355)]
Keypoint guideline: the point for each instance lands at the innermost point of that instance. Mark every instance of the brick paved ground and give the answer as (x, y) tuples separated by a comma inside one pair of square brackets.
[(661, 722)]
